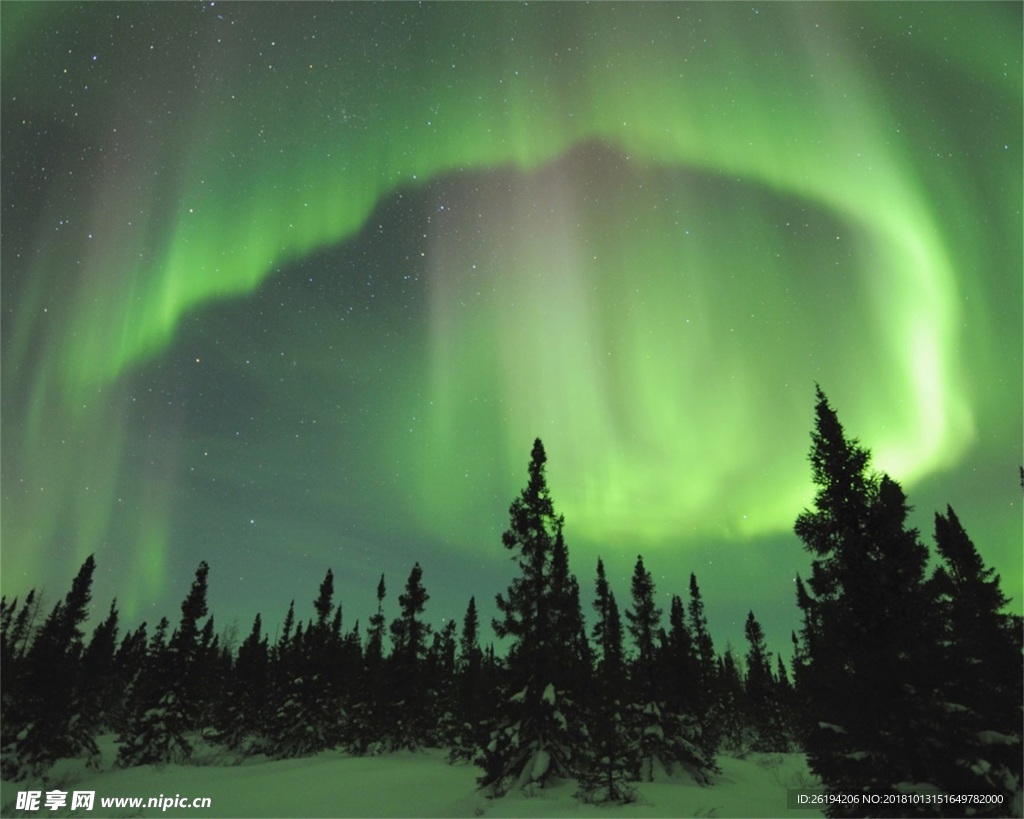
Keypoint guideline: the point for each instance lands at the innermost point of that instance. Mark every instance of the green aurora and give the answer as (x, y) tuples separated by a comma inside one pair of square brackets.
[(639, 231)]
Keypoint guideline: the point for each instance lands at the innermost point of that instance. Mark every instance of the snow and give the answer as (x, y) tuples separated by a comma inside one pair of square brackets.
[(996, 738), (541, 763), (549, 694), (404, 784)]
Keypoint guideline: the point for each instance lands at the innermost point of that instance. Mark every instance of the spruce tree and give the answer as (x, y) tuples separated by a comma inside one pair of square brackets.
[(978, 638), (573, 666), (532, 740), (708, 711), (17, 632), (643, 618), (471, 700), (98, 688), (869, 630), (165, 701), (677, 666), (49, 718), (129, 661), (609, 762), (667, 734), (242, 720), (732, 724), (762, 707), (323, 604), (375, 634), (307, 716), (370, 719), (440, 725), (409, 721)]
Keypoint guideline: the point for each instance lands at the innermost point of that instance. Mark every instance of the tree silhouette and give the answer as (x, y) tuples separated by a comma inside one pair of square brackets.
[(983, 722), (49, 718), (869, 626), (165, 697), (609, 762), (531, 740)]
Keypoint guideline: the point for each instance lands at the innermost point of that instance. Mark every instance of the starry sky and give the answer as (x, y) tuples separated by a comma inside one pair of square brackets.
[(290, 287)]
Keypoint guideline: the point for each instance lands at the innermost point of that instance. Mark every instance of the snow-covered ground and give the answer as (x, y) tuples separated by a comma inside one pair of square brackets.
[(333, 784)]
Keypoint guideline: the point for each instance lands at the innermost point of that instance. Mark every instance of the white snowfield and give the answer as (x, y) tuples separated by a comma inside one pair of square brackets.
[(408, 784)]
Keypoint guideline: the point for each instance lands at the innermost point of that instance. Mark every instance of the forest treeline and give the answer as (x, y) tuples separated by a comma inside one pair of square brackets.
[(905, 679)]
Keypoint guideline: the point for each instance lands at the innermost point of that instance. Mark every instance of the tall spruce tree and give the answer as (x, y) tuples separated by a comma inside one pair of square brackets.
[(49, 718), (242, 720), (98, 687), (667, 735), (573, 663), (307, 716), (979, 639), (610, 761), (165, 706), (705, 689), (370, 722), (409, 722), (761, 703), (644, 617), (532, 739), (678, 663), (471, 727), (731, 718), (869, 630)]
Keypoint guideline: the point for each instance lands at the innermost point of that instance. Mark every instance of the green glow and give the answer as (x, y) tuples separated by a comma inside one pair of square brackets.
[(629, 328)]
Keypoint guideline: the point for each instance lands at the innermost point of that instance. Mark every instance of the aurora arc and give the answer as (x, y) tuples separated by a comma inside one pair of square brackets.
[(282, 156)]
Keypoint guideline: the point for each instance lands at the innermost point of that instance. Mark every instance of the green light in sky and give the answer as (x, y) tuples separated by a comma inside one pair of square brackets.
[(636, 346)]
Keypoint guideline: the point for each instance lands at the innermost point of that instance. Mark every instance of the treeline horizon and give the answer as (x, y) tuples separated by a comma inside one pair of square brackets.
[(881, 691)]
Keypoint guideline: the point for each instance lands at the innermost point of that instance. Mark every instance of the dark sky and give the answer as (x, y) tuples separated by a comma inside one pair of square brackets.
[(290, 287)]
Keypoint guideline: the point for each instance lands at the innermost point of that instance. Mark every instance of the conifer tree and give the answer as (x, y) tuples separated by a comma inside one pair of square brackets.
[(869, 630), (409, 721), (732, 724), (242, 723), (763, 710), (17, 633), (48, 719), (677, 664), (707, 708), (643, 618), (165, 702), (375, 634), (370, 719), (667, 735), (471, 724), (129, 661), (307, 716), (978, 638), (532, 740), (98, 687), (573, 663), (440, 727), (609, 762), (323, 604)]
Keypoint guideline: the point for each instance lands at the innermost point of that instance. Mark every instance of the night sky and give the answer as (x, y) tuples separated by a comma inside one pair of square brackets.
[(290, 287)]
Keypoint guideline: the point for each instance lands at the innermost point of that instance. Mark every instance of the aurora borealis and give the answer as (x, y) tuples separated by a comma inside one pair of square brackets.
[(294, 286)]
